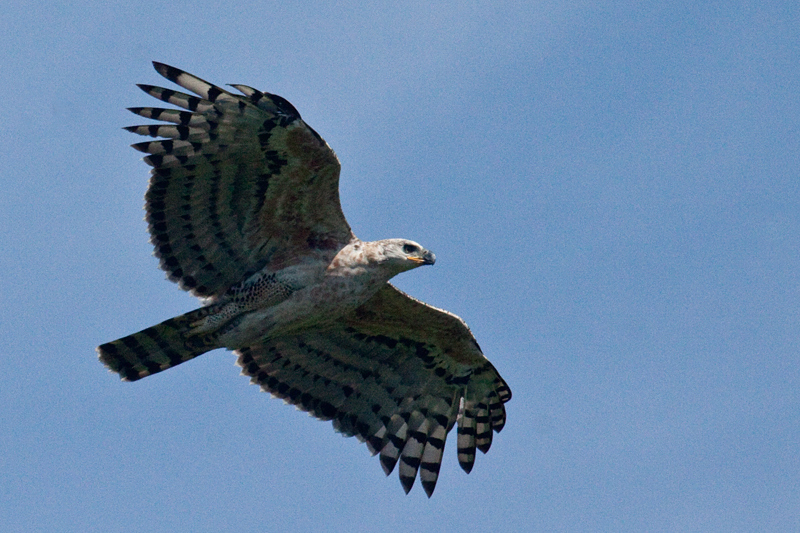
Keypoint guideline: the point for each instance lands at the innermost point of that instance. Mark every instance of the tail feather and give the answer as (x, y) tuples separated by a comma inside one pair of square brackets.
[(156, 348)]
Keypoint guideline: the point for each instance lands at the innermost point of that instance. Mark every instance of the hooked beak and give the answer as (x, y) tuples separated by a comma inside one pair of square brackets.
[(428, 258)]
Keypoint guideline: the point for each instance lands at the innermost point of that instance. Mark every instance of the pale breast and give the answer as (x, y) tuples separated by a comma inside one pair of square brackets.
[(315, 301)]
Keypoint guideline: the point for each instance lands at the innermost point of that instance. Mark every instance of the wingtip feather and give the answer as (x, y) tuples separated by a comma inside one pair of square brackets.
[(167, 71)]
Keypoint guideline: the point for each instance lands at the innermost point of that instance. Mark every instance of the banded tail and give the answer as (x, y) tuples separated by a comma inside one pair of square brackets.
[(157, 348)]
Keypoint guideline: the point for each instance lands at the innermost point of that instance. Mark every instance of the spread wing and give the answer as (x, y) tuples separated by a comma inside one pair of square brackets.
[(397, 374), (239, 182)]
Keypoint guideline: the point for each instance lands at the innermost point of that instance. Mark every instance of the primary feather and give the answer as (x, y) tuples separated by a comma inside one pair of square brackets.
[(243, 210)]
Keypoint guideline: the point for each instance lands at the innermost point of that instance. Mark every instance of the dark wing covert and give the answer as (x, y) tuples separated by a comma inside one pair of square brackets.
[(397, 374), (238, 183)]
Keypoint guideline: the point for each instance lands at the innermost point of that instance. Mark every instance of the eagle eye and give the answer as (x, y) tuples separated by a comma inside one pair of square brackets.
[(409, 248)]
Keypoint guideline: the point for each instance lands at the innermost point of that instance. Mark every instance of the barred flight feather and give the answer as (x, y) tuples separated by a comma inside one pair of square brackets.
[(382, 392), (229, 158), (243, 210)]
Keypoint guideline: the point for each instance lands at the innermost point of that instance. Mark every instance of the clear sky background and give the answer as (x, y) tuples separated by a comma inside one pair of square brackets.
[(612, 193)]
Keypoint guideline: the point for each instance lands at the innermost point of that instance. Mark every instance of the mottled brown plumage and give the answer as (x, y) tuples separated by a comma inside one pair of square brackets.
[(243, 209)]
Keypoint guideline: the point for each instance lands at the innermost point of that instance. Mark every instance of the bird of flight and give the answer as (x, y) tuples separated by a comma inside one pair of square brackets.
[(243, 211)]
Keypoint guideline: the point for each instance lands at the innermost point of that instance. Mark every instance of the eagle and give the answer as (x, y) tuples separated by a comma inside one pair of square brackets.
[(243, 211)]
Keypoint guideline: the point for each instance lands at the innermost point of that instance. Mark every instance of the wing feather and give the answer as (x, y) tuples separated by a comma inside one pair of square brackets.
[(395, 373), (238, 183)]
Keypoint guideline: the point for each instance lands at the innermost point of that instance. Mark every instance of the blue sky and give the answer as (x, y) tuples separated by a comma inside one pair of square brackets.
[(612, 194)]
